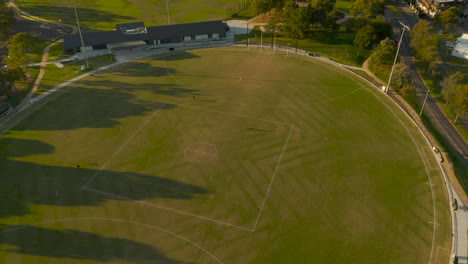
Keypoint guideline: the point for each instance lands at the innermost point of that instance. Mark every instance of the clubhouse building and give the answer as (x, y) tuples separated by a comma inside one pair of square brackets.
[(136, 33)]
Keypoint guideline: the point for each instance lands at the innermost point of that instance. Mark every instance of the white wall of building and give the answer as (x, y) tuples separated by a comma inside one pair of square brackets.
[(201, 37)]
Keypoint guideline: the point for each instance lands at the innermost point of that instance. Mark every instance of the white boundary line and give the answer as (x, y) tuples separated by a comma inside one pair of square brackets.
[(427, 158), (266, 105), (172, 209), (123, 146), (118, 220), (425, 167), (272, 178), (167, 208)]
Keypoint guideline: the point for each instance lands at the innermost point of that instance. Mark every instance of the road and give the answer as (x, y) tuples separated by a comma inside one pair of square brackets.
[(438, 118)]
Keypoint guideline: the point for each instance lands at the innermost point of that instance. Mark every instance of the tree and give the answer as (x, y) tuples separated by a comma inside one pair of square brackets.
[(8, 78), (365, 37), (425, 42), (400, 76), (407, 90), (383, 54), (7, 19), (382, 28), (261, 6), (327, 5), (19, 45), (296, 20), (455, 93), (367, 8), (449, 18)]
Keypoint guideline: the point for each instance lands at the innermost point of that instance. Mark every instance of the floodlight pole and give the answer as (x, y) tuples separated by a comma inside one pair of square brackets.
[(81, 36), (396, 56)]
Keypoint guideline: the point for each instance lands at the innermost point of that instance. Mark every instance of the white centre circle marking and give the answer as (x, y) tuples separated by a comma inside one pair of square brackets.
[(200, 152)]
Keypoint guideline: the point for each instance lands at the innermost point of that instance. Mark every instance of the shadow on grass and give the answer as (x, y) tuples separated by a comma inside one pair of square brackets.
[(29, 183), (72, 244), (174, 90)]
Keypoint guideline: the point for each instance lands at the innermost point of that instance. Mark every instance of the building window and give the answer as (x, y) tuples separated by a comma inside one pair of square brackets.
[(210, 36), (192, 37)]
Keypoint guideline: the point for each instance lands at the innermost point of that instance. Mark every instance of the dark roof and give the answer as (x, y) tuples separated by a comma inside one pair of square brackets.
[(129, 25), (153, 33)]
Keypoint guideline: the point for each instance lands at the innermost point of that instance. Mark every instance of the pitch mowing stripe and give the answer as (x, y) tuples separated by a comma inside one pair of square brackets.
[(116, 220)]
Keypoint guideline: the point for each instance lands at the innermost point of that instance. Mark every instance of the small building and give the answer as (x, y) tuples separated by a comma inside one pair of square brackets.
[(131, 33), (461, 47)]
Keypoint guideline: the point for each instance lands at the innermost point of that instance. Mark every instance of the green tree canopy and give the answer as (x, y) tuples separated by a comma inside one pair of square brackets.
[(455, 93), (261, 6), (400, 75), (382, 28), (367, 8), (19, 45), (425, 41), (383, 54), (327, 5), (8, 78), (365, 37), (449, 17)]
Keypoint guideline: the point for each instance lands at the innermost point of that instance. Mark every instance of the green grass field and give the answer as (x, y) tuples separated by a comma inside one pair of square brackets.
[(219, 156), (104, 14)]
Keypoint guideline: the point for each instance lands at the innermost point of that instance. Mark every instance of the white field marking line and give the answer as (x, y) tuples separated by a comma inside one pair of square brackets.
[(437, 254), (202, 152), (272, 178), (425, 167), (122, 146), (231, 114), (427, 158), (168, 209), (213, 155), (171, 209), (267, 105), (117, 220)]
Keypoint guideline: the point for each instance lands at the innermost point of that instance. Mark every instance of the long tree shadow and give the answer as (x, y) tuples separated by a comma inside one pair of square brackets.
[(88, 108), (72, 244), (25, 183), (173, 90)]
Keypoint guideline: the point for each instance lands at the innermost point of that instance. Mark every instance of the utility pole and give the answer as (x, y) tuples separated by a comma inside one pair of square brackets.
[(396, 55), (261, 41), (248, 48), (425, 99), (81, 36)]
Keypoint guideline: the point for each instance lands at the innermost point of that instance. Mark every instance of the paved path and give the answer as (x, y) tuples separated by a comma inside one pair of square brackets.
[(23, 14)]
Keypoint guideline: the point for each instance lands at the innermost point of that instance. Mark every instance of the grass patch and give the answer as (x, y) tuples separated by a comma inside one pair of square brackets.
[(344, 5), (104, 14), (311, 131), (55, 76), (55, 52)]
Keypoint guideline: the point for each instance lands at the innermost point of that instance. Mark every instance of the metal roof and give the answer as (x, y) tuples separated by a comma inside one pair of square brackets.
[(129, 25), (152, 33)]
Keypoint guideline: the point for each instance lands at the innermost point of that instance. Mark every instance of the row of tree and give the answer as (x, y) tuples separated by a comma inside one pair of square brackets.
[(19, 47), (318, 18)]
